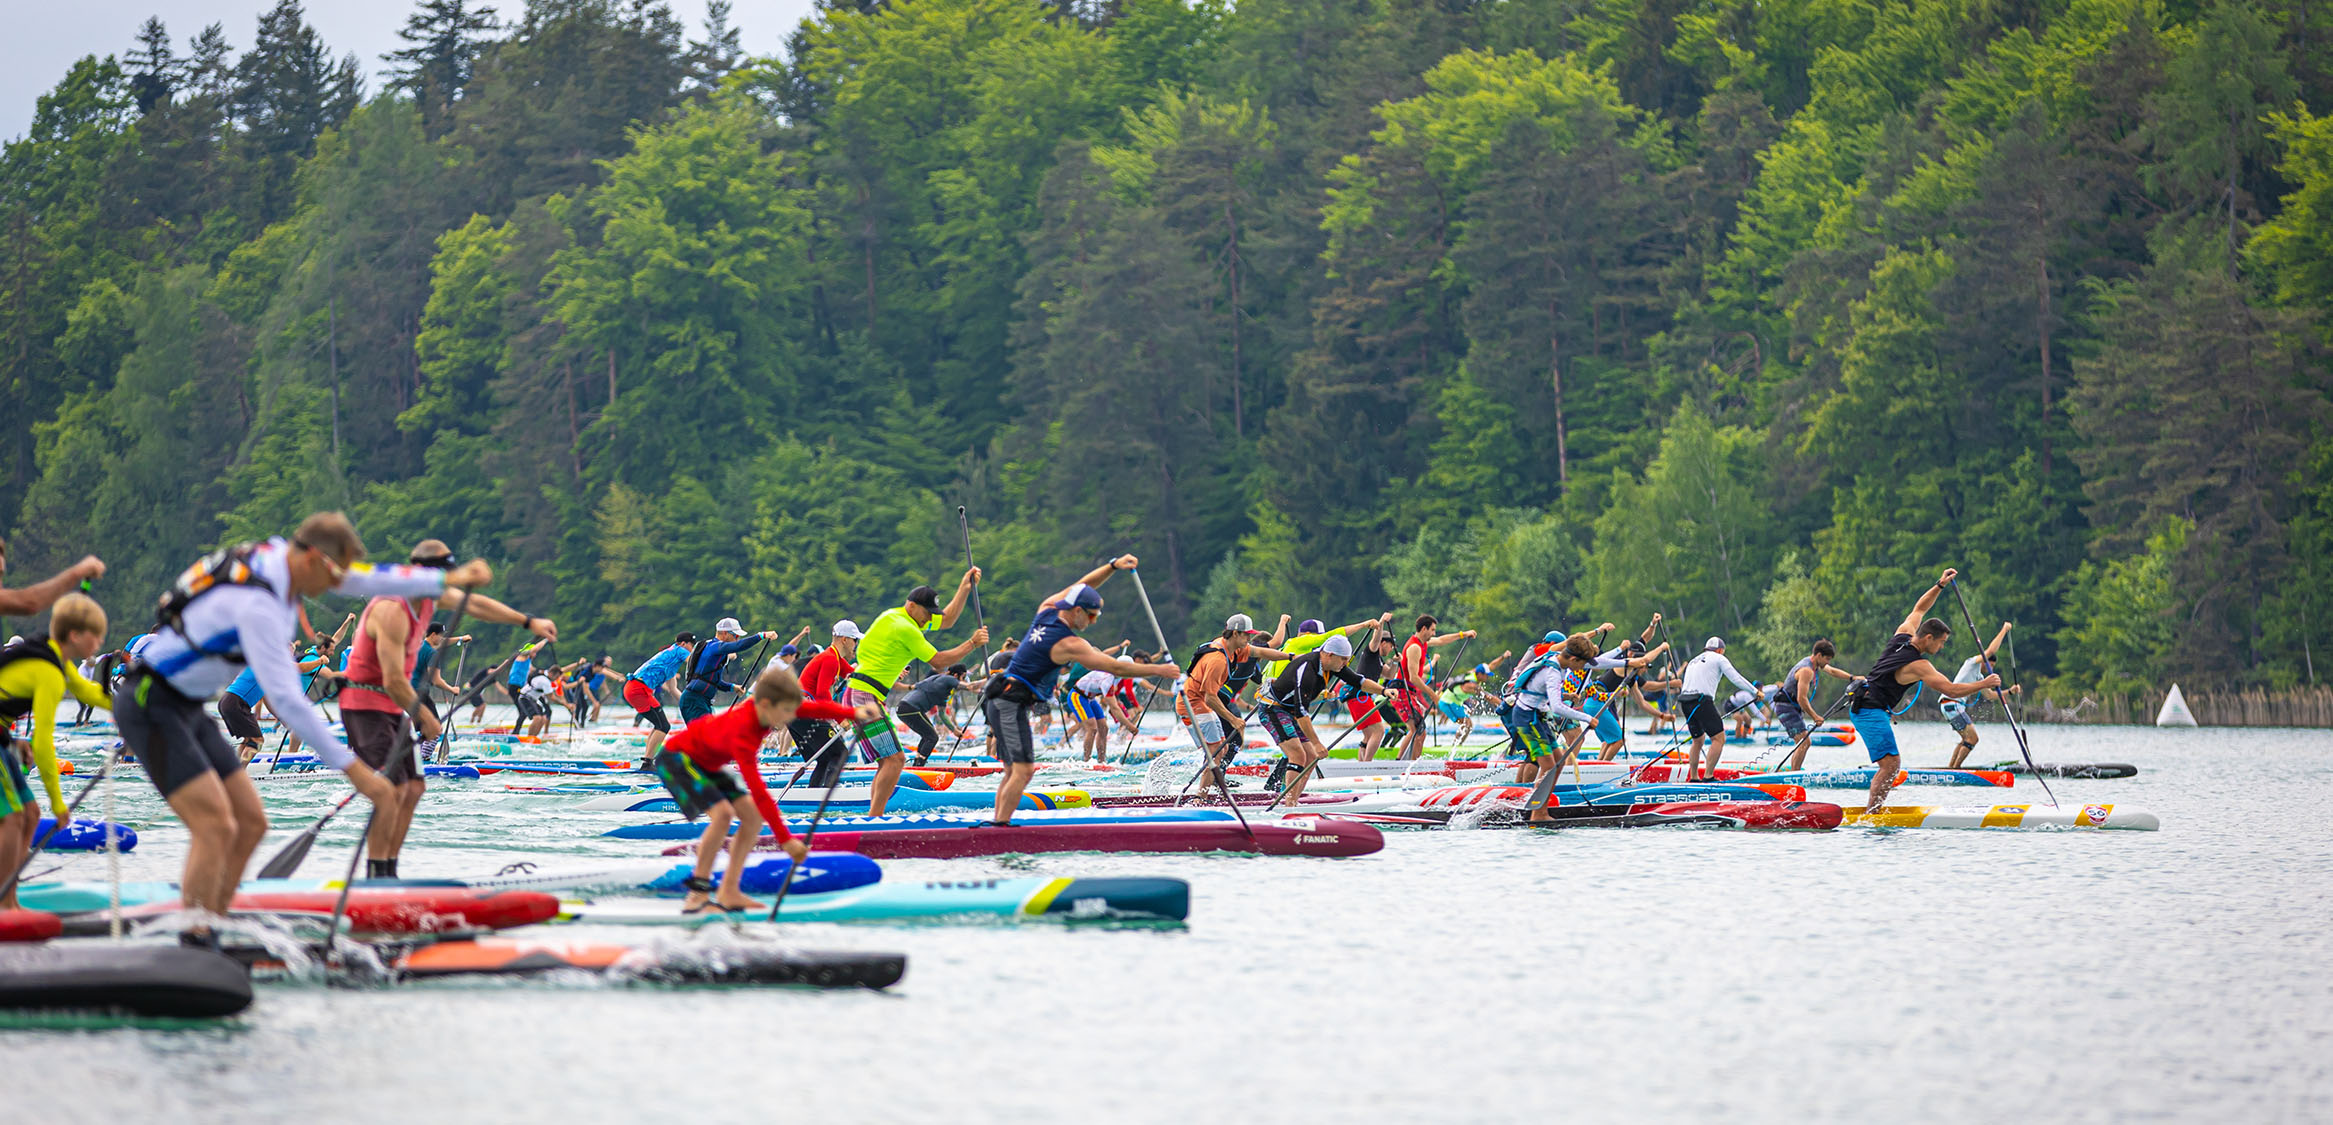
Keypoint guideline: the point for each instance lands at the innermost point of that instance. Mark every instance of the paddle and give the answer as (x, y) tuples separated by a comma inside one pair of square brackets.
[(348, 880), (808, 834), (1314, 768), (2023, 748), (63, 819)]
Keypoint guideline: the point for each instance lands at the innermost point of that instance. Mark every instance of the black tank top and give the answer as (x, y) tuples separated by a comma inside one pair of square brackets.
[(1880, 691)]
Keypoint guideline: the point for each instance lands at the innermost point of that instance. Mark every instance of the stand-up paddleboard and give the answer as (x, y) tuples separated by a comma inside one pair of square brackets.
[(402, 910), (29, 924), (1462, 798), (728, 964), (2175, 712), (1295, 836), (1211, 800), (684, 830), (857, 798), (1060, 899), (2007, 816), (2092, 770), (143, 978), (82, 836), (826, 871), (1860, 778), (1764, 815)]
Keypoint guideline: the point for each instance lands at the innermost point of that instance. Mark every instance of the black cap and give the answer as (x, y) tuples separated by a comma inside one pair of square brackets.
[(924, 596)]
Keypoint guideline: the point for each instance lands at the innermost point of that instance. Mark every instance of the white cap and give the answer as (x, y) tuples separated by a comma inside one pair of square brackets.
[(847, 628), (1240, 623), (1713, 644), (728, 625), (1337, 646)]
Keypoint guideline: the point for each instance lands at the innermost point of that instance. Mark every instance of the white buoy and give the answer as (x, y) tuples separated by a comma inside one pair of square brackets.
[(2175, 712)]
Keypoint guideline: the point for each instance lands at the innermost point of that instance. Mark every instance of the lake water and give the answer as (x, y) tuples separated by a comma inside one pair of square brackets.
[(1458, 975)]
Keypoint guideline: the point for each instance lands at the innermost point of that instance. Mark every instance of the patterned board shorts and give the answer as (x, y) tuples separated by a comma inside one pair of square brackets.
[(875, 740)]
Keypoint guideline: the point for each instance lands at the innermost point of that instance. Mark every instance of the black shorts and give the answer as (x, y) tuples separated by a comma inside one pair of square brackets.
[(926, 736), (694, 788), (1701, 717), (169, 734), (1280, 723), (382, 740), (530, 708), (240, 720), (1014, 741)]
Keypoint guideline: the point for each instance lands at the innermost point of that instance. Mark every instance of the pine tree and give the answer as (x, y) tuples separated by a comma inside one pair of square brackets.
[(446, 38)]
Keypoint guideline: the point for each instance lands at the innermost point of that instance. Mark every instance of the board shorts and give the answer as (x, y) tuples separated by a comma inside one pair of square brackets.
[(696, 701), (1792, 720), (877, 738), (240, 720), (15, 789), (644, 701), (384, 741), (1208, 727), (1008, 706), (171, 735), (1086, 707), (1609, 729), (1451, 711), (1876, 730), (694, 789), (531, 708), (1530, 731), (1955, 712), (1701, 717), (1280, 723)]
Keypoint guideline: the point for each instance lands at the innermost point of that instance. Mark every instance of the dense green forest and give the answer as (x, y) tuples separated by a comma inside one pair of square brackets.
[(1525, 313)]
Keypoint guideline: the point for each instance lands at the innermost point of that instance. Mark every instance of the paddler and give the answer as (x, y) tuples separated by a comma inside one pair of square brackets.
[(1900, 670), (36, 674), (642, 686), (1534, 697), (1410, 683), (713, 767), (240, 605), (1794, 697), (822, 678), (895, 640), (379, 707), (1377, 719), (1206, 702), (1697, 698), (1956, 712), (1285, 707), (1050, 643)]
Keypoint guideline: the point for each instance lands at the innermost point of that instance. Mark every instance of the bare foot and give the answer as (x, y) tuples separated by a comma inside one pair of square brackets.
[(739, 903)]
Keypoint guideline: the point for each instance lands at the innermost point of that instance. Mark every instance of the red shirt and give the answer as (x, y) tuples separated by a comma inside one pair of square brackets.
[(364, 658), (819, 677), (734, 737)]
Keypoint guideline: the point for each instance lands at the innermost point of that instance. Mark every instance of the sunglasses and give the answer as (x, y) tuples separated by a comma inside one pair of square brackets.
[(438, 562), (337, 570)]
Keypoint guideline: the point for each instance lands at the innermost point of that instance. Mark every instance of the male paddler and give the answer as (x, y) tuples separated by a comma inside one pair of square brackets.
[(895, 640), (1901, 668)]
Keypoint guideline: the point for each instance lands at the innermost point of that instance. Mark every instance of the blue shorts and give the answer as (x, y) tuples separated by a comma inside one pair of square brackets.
[(1955, 712), (1787, 714), (1877, 731), (1451, 711), (1609, 731), (1085, 706)]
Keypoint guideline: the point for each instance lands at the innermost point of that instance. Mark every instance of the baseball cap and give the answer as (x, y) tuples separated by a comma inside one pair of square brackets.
[(1082, 596), (847, 628), (1553, 637), (728, 625), (1240, 623), (1310, 625), (924, 596), (1337, 646), (787, 650), (1713, 644), (1482, 669)]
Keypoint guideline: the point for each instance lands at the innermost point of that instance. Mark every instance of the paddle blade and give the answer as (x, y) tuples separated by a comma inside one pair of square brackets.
[(288, 860)]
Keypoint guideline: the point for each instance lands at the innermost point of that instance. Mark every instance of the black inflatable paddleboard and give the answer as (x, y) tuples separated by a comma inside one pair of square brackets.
[(138, 977), (2072, 769)]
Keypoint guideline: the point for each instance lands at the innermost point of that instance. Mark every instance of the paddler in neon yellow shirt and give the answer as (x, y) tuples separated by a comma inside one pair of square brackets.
[(1311, 634), (894, 641), (34, 678)]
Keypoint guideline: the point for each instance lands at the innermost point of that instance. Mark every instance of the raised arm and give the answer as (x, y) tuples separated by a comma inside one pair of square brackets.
[(1997, 639), (1646, 637), (1096, 576), (1911, 621), (955, 606), (25, 601), (1280, 631)]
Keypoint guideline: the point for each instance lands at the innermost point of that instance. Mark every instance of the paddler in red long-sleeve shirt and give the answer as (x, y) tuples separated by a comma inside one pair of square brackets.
[(712, 765)]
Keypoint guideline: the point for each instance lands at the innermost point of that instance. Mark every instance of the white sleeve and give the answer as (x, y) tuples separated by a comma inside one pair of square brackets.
[(394, 581), (269, 657), (1727, 666)]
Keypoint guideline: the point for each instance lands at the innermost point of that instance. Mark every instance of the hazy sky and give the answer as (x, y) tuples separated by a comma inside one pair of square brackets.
[(45, 36)]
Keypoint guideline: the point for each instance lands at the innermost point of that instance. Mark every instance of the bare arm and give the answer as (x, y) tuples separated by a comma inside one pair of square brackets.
[(1080, 650), (28, 600), (955, 606), (1996, 645), (487, 609), (1096, 576), (1646, 637), (1280, 632), (1943, 684), (1911, 621), (947, 656)]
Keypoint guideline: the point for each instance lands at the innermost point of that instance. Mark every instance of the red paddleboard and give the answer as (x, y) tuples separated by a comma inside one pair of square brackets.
[(400, 910), (1752, 814), (29, 925)]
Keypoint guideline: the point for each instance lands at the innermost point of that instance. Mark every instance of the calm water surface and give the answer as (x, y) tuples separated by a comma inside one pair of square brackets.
[(1490, 975)]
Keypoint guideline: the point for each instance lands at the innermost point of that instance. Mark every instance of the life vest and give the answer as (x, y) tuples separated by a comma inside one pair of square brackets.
[(227, 566), (28, 648)]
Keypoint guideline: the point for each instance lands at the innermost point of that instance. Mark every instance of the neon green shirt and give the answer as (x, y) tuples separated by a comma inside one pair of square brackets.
[(892, 643)]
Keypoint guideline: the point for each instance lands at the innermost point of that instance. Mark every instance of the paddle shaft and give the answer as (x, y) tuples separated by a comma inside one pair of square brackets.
[(2023, 748), (348, 881), (1315, 767), (964, 524), (808, 834)]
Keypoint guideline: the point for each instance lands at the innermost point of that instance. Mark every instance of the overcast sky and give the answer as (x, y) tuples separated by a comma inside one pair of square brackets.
[(45, 36)]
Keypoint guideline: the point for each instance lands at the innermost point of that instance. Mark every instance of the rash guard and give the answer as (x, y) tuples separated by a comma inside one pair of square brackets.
[(734, 738)]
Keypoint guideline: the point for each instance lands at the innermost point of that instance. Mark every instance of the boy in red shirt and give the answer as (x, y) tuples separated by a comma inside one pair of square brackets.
[(712, 764)]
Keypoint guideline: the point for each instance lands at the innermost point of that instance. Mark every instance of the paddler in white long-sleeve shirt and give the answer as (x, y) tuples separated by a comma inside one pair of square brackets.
[(1697, 697), (238, 608)]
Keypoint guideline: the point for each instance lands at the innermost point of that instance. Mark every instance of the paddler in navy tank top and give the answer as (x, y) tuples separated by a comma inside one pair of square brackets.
[(1904, 665), (1028, 680)]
